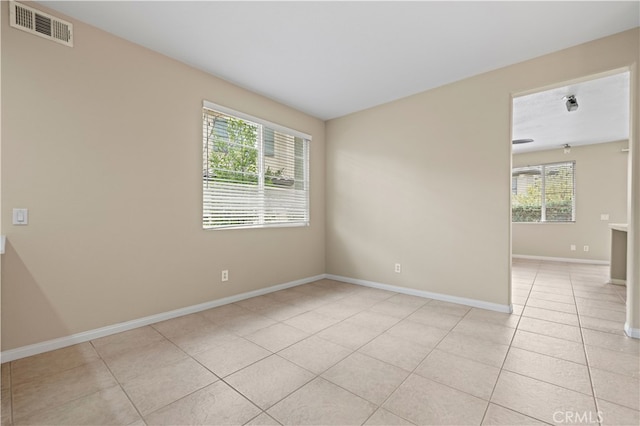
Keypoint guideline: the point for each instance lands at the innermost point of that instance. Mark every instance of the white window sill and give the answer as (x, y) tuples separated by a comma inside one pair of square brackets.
[(544, 223)]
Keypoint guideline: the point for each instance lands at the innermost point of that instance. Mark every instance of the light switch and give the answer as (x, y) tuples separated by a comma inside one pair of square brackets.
[(20, 216), (604, 216)]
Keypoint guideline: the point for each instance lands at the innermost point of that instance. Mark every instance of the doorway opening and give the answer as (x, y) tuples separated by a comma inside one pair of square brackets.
[(570, 165)]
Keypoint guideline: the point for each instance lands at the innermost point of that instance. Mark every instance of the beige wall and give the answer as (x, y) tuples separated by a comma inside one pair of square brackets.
[(601, 187), (103, 143), (425, 180)]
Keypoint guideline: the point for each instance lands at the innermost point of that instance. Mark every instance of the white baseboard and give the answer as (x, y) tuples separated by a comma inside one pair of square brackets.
[(616, 281), (631, 332), (49, 345), (560, 259), (421, 293)]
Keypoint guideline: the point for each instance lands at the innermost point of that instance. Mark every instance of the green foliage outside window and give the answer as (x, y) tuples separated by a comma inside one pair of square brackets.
[(253, 175), (234, 157), (558, 202)]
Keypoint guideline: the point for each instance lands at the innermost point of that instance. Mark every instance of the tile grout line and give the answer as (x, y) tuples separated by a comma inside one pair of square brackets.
[(219, 379), (378, 406), (44, 409), (120, 384), (188, 356), (222, 379), (353, 351), (510, 344), (585, 365), (414, 369), (117, 381), (586, 356), (316, 376), (262, 410), (320, 375), (583, 345)]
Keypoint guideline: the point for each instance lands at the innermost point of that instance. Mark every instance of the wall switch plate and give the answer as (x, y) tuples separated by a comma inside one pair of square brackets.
[(225, 275), (20, 216), (397, 268), (585, 248), (604, 216), (573, 247)]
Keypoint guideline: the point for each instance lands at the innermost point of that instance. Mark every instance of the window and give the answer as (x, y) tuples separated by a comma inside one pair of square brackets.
[(543, 193), (255, 173), (269, 142)]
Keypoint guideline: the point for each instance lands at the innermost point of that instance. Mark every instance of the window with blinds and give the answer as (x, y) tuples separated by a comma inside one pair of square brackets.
[(255, 173), (543, 193)]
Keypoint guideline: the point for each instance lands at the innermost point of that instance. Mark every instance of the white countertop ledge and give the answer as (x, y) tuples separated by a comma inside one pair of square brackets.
[(618, 226), (3, 240)]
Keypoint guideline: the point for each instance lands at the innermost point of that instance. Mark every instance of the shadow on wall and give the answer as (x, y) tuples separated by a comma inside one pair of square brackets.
[(30, 303)]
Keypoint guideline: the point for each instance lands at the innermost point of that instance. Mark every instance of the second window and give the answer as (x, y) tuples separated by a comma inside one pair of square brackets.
[(543, 193)]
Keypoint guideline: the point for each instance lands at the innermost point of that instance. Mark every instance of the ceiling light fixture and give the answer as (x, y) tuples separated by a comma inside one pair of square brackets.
[(521, 141), (567, 148), (571, 102)]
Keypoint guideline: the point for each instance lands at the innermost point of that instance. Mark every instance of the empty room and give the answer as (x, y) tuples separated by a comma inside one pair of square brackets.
[(315, 213)]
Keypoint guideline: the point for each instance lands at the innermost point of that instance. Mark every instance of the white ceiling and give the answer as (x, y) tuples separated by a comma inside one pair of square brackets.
[(602, 115), (329, 59)]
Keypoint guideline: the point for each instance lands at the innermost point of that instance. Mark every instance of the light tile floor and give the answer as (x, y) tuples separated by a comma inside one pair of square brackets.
[(335, 353)]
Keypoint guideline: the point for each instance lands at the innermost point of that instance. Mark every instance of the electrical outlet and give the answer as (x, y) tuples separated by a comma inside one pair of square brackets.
[(225, 275), (573, 247), (397, 268), (604, 216), (585, 248)]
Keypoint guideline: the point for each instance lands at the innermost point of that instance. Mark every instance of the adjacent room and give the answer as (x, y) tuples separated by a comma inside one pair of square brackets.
[(349, 213), (579, 132)]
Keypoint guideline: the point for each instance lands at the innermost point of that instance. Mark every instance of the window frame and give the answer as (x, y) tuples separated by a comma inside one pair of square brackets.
[(262, 155), (543, 200)]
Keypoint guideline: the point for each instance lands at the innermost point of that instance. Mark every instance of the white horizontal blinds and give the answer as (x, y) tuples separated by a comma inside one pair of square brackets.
[(230, 184), (559, 192), (286, 183), (254, 175), (526, 188), (543, 193)]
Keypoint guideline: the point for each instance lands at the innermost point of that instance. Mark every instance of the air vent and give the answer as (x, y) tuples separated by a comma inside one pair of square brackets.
[(41, 24)]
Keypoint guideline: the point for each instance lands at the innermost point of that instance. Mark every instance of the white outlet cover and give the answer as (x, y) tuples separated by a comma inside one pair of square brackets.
[(585, 248), (604, 216), (573, 247)]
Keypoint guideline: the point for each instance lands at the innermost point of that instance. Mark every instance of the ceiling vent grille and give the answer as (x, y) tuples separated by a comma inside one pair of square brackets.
[(41, 24)]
